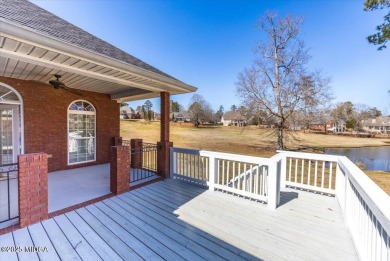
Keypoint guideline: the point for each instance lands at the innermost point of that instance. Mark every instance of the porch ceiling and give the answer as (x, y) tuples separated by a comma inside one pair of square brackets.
[(30, 55)]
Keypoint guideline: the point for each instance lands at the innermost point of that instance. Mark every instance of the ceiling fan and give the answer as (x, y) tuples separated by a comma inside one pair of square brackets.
[(57, 84)]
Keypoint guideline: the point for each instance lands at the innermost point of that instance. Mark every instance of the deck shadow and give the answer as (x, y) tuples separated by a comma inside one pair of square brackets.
[(287, 196)]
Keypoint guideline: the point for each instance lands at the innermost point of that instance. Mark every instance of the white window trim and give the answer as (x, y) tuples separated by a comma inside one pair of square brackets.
[(21, 112), (67, 130)]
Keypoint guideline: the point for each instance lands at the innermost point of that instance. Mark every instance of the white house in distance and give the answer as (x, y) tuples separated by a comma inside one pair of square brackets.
[(380, 124), (233, 118), (182, 116)]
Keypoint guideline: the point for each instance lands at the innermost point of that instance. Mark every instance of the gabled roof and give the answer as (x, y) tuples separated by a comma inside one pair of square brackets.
[(27, 14), (379, 121), (232, 115), (183, 114), (35, 44)]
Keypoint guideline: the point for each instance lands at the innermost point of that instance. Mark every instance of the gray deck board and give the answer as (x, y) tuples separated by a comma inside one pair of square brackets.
[(7, 240), (63, 248), (22, 239), (172, 220), (78, 242), (143, 237), (40, 238)]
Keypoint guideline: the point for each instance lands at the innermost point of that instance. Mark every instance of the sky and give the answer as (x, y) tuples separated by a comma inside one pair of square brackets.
[(208, 43)]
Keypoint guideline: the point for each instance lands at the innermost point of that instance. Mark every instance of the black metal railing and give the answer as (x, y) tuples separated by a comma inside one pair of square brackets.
[(143, 162), (9, 203)]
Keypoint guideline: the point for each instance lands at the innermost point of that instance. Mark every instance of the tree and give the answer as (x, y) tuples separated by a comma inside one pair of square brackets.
[(200, 110), (124, 104), (148, 105), (345, 111), (383, 30), (277, 81), (219, 113), (147, 110), (175, 106), (233, 108)]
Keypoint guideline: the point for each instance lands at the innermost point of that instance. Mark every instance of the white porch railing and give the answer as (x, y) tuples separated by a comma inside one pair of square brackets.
[(365, 206), (314, 172), (252, 177)]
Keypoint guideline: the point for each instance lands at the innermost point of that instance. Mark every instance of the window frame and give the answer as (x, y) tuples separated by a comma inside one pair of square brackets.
[(67, 130)]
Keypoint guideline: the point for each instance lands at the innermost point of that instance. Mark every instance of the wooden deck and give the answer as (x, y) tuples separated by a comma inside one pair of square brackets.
[(172, 220)]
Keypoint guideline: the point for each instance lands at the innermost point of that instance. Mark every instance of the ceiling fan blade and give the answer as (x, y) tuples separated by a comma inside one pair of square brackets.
[(74, 91)]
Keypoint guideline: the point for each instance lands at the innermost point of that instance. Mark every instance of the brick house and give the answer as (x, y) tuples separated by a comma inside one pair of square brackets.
[(76, 125)]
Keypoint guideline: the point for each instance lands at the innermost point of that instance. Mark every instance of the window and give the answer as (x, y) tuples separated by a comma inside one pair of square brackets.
[(81, 132)]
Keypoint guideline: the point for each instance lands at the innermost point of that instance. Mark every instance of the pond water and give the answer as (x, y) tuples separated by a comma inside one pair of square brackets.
[(373, 158)]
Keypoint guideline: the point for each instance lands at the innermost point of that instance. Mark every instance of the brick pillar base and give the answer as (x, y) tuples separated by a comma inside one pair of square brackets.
[(119, 169), (33, 188), (136, 154), (117, 141), (163, 158)]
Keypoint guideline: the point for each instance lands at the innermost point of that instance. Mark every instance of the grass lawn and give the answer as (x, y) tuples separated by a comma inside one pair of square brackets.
[(249, 141)]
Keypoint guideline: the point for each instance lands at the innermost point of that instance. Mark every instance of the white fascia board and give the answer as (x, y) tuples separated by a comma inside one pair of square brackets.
[(132, 96), (26, 33)]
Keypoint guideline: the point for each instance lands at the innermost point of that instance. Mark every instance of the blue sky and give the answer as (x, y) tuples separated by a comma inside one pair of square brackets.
[(207, 43)]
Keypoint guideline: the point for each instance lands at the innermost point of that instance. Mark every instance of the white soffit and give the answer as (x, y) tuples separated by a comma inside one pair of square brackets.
[(28, 55)]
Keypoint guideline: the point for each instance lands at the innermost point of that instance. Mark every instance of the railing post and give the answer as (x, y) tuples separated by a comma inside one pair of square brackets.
[(137, 153), (212, 172), (163, 161), (33, 188), (119, 169), (283, 171), (173, 163), (272, 197)]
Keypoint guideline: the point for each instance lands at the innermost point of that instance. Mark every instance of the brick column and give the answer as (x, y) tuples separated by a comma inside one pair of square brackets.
[(136, 153), (164, 144), (119, 169), (164, 127), (33, 188), (163, 162), (117, 141)]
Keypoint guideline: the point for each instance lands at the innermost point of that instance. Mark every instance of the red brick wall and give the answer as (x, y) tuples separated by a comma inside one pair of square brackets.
[(33, 188), (45, 121)]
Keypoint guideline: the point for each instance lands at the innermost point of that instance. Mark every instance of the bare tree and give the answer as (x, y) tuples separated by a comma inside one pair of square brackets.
[(200, 110), (278, 80)]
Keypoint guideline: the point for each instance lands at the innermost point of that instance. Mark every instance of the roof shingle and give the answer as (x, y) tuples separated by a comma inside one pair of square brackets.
[(27, 14)]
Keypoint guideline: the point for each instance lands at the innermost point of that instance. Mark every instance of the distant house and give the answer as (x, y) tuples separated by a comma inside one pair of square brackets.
[(380, 124), (233, 118), (182, 116), (125, 112), (331, 125)]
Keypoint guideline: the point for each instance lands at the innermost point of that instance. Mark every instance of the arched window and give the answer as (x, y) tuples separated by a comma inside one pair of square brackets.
[(81, 132), (11, 124)]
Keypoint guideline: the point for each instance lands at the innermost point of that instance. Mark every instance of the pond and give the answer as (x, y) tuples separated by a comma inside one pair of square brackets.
[(373, 158)]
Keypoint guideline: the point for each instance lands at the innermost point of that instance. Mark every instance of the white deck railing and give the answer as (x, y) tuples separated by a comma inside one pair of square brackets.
[(248, 176), (314, 172), (365, 206), (366, 210)]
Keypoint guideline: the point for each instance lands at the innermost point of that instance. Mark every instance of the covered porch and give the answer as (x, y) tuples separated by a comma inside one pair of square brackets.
[(68, 188)]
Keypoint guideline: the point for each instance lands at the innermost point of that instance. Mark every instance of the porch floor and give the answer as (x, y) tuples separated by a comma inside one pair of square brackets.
[(175, 221), (74, 186)]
